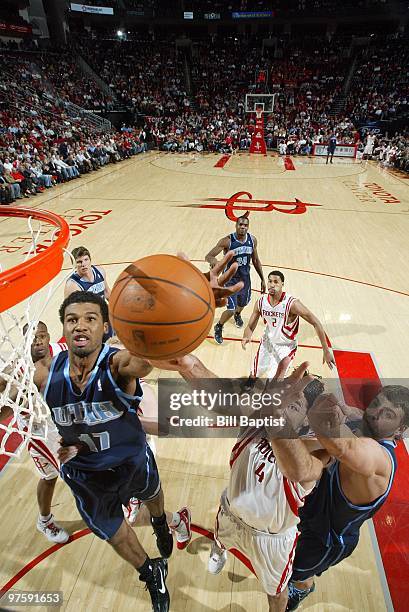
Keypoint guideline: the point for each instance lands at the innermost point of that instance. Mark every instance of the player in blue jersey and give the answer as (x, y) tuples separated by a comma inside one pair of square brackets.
[(93, 392), (86, 276), (352, 488), (244, 247), (332, 145)]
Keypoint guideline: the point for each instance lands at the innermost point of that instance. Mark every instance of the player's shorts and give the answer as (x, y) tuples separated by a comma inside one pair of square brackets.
[(271, 555), (313, 557), (269, 356), (243, 297), (44, 454), (101, 495)]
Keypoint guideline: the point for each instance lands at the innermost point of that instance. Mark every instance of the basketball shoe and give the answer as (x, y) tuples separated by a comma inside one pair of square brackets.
[(52, 531), (296, 596), (164, 539), (131, 511), (218, 333), (156, 585), (238, 320), (182, 528), (217, 559)]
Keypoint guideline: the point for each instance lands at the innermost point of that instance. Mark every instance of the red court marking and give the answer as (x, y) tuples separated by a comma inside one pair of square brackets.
[(222, 161), (79, 534), (12, 444), (288, 163), (391, 522)]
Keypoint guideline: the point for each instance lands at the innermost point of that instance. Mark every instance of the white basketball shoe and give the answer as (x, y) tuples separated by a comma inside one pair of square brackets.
[(52, 530), (217, 559)]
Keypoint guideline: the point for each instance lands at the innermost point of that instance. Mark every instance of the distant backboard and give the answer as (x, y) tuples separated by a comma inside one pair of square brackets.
[(259, 103)]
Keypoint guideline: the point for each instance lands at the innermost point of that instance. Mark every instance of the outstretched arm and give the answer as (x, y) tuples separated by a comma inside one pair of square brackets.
[(298, 308), (222, 245), (251, 326), (257, 264), (361, 455)]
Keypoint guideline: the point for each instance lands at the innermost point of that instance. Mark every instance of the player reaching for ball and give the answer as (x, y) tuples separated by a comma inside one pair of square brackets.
[(244, 247), (93, 392), (280, 312)]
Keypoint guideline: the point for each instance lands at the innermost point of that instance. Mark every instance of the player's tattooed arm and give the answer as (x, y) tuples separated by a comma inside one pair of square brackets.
[(257, 265), (251, 326), (298, 308), (222, 245)]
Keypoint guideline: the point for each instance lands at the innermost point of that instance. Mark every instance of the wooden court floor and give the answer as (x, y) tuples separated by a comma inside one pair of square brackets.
[(340, 234)]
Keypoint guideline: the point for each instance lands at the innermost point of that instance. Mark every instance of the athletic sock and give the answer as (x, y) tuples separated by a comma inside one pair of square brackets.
[(175, 522), (157, 521), (45, 519), (146, 569)]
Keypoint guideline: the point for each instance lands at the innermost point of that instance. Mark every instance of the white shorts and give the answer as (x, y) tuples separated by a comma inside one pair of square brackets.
[(44, 454), (269, 356), (271, 555)]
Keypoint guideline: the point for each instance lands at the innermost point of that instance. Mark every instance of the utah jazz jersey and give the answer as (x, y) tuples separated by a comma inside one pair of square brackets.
[(243, 252), (102, 418), (330, 515), (96, 286)]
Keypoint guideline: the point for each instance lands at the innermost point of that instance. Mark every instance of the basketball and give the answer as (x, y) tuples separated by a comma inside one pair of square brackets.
[(161, 307)]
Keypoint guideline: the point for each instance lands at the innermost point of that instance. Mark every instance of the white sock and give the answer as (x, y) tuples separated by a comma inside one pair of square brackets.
[(45, 519), (175, 522)]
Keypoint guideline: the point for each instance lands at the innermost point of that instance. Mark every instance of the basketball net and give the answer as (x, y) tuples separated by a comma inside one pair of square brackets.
[(18, 392)]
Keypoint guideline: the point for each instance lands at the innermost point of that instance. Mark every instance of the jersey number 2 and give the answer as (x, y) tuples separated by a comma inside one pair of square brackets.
[(103, 438), (259, 472)]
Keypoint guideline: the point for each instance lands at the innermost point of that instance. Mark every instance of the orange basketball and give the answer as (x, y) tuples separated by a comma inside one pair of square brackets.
[(161, 307)]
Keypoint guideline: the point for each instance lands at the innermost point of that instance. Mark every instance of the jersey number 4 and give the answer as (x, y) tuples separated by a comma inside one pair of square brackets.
[(260, 472), (102, 438)]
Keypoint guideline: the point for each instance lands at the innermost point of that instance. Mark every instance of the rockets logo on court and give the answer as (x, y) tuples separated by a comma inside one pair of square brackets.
[(242, 202)]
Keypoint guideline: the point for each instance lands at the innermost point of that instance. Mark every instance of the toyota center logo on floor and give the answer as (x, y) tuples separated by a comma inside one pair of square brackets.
[(243, 201)]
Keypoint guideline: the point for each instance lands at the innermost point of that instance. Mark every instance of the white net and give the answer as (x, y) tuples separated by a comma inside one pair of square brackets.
[(24, 414)]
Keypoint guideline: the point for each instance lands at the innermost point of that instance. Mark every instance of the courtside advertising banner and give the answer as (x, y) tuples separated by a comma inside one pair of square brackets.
[(340, 150)]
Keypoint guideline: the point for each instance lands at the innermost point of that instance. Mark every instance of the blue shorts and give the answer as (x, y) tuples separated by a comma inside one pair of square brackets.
[(243, 297), (100, 495), (313, 557)]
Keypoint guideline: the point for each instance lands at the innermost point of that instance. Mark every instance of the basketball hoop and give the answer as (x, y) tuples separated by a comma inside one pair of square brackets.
[(27, 285), (259, 113)]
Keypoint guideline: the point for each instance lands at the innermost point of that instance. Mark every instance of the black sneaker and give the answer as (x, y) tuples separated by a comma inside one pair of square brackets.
[(164, 539), (296, 596), (156, 585), (238, 320), (249, 384), (218, 333)]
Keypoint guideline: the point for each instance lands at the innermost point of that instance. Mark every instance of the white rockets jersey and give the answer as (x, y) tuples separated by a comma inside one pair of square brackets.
[(38, 428), (276, 318), (258, 493)]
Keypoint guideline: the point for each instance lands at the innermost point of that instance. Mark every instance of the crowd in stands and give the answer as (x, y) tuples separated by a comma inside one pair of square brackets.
[(380, 88), (41, 145), (38, 153)]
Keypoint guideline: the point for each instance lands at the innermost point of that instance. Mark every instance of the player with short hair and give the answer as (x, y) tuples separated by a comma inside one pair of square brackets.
[(352, 488), (332, 145), (244, 246), (93, 392), (269, 479), (44, 453), (87, 277), (280, 312)]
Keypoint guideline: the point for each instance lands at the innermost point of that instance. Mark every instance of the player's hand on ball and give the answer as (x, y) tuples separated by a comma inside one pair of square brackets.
[(217, 278)]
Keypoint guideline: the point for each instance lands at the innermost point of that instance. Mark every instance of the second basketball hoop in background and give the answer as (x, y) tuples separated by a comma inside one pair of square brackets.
[(161, 307)]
